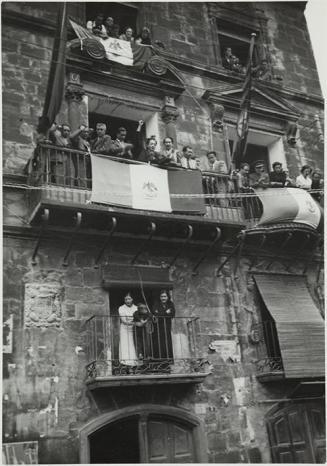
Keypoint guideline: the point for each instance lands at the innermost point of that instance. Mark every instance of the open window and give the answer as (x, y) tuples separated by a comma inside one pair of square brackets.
[(260, 146), (236, 37), (124, 14), (113, 124)]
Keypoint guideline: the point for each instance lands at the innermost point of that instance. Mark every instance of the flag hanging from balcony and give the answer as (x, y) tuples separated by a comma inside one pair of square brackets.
[(136, 186), (282, 205), (242, 125), (119, 51), (56, 79), (144, 187)]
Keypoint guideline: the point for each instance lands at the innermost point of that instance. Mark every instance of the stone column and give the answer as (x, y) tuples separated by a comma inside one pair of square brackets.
[(77, 102), (169, 116)]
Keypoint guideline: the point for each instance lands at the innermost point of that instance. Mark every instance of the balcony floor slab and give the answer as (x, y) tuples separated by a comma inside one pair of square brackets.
[(137, 380)]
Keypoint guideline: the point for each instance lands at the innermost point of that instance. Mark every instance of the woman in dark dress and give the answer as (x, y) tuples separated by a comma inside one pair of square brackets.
[(162, 344)]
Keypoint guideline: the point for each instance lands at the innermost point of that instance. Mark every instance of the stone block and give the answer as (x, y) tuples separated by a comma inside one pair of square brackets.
[(32, 77), (181, 48), (9, 45), (32, 51), (92, 277)]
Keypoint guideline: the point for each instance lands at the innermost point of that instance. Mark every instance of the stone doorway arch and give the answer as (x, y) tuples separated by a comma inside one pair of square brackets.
[(149, 418)]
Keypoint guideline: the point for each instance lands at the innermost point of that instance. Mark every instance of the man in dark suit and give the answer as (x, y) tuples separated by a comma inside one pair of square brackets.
[(102, 143)]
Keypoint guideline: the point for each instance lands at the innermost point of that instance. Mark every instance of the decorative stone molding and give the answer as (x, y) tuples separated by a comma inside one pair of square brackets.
[(169, 114), (74, 92), (217, 116), (157, 66), (42, 305)]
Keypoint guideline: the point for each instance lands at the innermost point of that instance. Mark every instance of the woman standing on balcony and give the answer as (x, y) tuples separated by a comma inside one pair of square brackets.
[(127, 352), (161, 337)]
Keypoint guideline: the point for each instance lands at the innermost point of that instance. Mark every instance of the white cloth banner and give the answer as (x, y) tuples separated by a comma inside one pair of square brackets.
[(150, 190), (118, 50)]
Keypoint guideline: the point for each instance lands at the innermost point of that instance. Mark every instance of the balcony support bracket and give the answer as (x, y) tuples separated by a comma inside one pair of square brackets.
[(204, 255), (153, 228), (105, 244), (187, 240), (45, 220), (260, 246), (78, 221)]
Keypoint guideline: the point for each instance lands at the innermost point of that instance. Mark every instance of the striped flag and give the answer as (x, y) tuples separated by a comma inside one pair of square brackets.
[(145, 187), (242, 126), (283, 205), (56, 79)]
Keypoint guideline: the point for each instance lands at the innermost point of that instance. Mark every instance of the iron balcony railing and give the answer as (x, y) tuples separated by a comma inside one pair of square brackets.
[(71, 170), (269, 360), (162, 346)]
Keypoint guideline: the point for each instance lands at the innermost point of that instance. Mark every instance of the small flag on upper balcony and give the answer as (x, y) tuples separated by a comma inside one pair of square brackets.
[(242, 126), (114, 49), (56, 79)]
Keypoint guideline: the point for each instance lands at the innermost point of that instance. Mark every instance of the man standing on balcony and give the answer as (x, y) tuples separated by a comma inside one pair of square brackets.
[(259, 179), (215, 165), (102, 143), (121, 148), (188, 159), (277, 177), (62, 163)]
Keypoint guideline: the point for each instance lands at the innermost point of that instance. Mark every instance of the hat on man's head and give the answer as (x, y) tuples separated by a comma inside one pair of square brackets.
[(259, 163)]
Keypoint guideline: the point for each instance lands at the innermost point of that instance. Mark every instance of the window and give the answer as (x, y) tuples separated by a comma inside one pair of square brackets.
[(124, 14), (261, 146), (238, 39), (112, 128)]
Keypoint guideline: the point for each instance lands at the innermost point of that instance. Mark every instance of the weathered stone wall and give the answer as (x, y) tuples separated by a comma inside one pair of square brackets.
[(44, 392)]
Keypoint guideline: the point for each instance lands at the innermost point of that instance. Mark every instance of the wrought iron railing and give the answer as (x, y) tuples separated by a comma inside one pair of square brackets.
[(162, 346), (269, 358), (70, 169)]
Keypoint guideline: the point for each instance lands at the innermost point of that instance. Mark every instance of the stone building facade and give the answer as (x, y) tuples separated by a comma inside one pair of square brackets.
[(64, 262)]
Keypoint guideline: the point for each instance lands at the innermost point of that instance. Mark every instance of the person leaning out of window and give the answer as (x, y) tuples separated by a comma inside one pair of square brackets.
[(128, 35), (215, 165)]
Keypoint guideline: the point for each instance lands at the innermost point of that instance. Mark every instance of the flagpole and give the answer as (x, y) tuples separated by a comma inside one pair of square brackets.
[(56, 77), (245, 105)]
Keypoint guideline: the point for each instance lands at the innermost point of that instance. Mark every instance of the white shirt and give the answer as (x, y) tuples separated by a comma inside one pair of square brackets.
[(189, 163), (302, 182)]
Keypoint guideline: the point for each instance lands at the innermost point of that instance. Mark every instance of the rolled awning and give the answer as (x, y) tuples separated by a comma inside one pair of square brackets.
[(299, 325)]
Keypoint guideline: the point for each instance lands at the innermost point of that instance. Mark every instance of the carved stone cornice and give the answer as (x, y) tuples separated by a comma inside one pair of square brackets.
[(217, 116), (169, 114), (74, 92)]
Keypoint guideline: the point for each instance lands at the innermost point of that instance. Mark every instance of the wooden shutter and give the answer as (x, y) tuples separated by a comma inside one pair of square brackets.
[(299, 325)]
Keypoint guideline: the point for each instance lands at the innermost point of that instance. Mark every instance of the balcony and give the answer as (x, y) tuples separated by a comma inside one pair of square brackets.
[(63, 192), (269, 364), (62, 178), (164, 351)]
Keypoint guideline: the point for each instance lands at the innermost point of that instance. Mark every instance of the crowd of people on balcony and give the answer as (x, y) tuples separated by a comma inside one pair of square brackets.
[(99, 142), (105, 28), (308, 179), (145, 336)]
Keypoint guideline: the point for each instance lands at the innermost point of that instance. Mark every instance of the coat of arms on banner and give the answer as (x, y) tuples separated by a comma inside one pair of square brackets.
[(150, 190)]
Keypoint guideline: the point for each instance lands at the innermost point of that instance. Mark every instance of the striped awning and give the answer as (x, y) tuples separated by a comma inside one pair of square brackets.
[(300, 326)]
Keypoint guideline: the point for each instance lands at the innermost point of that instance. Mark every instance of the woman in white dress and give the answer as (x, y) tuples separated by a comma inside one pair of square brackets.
[(127, 352)]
